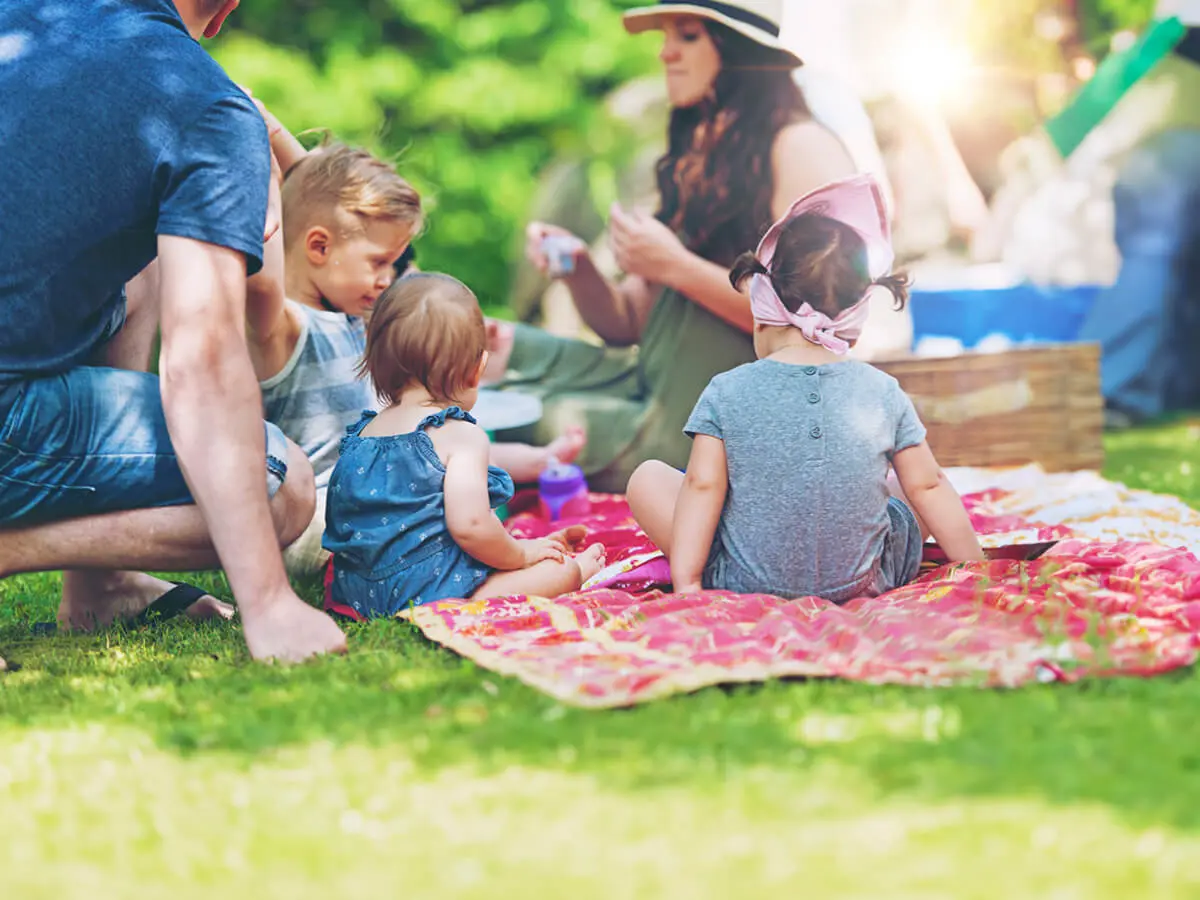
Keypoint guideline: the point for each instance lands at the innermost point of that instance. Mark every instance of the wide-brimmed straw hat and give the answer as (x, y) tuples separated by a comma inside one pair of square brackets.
[(758, 20)]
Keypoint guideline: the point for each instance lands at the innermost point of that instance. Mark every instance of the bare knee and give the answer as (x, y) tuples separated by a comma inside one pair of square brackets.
[(647, 479), (295, 502), (652, 493), (652, 485)]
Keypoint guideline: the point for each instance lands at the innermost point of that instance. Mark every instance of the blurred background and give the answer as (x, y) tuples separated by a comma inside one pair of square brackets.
[(502, 109)]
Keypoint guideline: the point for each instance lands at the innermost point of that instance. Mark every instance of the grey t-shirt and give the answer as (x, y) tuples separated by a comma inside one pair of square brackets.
[(808, 451)]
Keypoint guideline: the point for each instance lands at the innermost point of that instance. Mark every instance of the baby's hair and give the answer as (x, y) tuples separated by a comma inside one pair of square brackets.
[(335, 180), (822, 262), (426, 329)]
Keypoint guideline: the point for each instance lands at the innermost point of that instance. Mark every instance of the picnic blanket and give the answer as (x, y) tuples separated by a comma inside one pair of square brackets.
[(1117, 594)]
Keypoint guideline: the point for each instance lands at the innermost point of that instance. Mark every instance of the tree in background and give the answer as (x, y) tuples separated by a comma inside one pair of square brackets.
[(475, 98), (472, 98), (1100, 19)]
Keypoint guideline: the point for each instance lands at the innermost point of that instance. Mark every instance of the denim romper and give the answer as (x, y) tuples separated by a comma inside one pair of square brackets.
[(385, 523)]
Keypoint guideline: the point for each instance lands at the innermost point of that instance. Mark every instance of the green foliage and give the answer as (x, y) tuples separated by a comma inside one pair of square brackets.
[(1099, 19), (1005, 34), (472, 98)]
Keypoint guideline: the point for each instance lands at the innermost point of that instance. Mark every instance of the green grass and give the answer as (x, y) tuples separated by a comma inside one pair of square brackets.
[(163, 763)]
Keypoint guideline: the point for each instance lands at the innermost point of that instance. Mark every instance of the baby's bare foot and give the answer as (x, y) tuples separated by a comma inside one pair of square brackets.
[(590, 561), (567, 446)]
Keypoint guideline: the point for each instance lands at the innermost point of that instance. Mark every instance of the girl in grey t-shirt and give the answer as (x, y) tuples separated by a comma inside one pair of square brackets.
[(788, 489)]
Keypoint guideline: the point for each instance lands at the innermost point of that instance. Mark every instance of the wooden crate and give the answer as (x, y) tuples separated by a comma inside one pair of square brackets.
[(1038, 404)]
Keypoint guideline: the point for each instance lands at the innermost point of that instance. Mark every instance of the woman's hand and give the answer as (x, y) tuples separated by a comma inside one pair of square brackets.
[(615, 311), (537, 232), (643, 245)]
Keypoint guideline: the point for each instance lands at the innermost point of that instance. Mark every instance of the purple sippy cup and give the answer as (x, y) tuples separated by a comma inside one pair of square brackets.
[(563, 492)]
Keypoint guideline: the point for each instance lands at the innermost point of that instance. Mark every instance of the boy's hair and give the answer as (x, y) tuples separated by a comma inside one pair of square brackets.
[(822, 262), (340, 179), (427, 329)]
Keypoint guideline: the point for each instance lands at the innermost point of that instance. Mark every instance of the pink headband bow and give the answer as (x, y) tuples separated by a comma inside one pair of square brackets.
[(858, 203)]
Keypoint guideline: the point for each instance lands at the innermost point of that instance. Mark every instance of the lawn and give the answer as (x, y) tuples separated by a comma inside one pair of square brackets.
[(163, 763)]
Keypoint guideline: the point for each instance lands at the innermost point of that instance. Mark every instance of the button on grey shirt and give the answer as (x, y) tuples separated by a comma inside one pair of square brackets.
[(808, 449)]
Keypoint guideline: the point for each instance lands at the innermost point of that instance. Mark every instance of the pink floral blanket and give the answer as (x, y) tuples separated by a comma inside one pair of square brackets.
[(1114, 591)]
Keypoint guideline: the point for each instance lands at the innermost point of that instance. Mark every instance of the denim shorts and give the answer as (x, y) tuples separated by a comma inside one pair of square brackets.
[(91, 441)]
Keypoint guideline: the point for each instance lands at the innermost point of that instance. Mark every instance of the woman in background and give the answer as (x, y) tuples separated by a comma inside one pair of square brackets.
[(742, 146)]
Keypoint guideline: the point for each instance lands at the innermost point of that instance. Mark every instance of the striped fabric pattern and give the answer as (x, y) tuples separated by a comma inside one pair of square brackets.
[(318, 394)]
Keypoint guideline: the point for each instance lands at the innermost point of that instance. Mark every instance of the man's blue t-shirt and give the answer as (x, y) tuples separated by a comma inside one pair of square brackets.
[(115, 127)]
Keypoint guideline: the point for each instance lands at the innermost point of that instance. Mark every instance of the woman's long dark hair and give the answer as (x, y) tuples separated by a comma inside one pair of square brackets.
[(715, 181)]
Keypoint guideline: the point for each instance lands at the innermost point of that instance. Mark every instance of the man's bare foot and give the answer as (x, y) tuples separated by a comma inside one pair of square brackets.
[(95, 599), (289, 630), (567, 446), (500, 336), (590, 561)]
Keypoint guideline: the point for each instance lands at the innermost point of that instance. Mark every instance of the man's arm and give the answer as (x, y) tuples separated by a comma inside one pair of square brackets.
[(213, 411)]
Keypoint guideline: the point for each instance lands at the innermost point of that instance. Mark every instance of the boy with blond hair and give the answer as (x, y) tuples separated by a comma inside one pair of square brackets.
[(347, 219)]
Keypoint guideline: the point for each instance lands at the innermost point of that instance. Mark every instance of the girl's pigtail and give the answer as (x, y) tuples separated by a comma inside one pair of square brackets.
[(746, 265), (897, 283)]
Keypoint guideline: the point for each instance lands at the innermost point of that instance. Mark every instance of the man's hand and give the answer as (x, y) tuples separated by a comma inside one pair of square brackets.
[(289, 630)]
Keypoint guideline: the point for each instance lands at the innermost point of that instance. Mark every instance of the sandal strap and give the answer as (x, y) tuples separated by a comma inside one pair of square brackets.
[(170, 604)]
